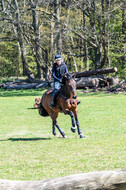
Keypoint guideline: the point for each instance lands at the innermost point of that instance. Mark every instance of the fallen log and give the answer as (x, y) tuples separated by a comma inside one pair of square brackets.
[(95, 72), (89, 82), (81, 82), (119, 88), (19, 86), (96, 82), (113, 81), (2, 85), (106, 180)]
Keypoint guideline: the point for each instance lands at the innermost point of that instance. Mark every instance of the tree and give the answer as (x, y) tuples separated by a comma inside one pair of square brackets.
[(89, 34), (57, 26), (11, 14)]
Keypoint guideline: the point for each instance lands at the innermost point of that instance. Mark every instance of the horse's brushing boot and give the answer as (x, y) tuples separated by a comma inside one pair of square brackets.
[(75, 97), (78, 102)]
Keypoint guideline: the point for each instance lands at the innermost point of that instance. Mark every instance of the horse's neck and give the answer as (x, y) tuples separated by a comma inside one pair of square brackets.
[(66, 92)]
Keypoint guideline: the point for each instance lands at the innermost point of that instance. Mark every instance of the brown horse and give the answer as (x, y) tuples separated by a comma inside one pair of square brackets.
[(66, 103)]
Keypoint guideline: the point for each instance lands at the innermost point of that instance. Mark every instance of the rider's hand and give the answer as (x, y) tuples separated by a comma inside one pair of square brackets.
[(75, 96), (60, 80)]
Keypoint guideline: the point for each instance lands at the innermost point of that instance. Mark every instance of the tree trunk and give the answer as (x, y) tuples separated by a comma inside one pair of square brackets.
[(103, 52), (85, 48), (95, 72), (52, 40), (26, 71), (72, 41), (97, 49), (124, 33), (37, 38), (57, 27), (108, 32), (2, 5), (74, 61)]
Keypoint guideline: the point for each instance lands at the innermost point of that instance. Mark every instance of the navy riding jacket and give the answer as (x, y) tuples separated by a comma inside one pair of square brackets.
[(58, 71)]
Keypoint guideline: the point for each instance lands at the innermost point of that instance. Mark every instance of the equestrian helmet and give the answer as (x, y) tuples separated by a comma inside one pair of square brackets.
[(58, 57)]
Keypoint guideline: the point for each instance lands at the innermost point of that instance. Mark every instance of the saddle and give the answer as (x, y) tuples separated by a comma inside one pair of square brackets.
[(58, 93)]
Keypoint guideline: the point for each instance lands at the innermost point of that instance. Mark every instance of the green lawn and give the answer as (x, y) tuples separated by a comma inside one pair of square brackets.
[(29, 151)]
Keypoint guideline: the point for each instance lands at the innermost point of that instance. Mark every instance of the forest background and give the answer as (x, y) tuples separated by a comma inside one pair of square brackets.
[(89, 34)]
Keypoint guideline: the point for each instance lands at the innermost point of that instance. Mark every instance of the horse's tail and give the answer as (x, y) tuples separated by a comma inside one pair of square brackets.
[(42, 111)]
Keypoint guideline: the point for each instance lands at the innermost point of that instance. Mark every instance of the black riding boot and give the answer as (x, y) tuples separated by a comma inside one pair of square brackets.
[(55, 95)]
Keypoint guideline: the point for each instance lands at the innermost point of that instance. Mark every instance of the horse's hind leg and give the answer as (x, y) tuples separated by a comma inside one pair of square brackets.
[(53, 129), (54, 115), (60, 130)]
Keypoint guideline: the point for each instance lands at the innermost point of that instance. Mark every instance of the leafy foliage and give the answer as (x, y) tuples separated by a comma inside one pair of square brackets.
[(89, 34), (9, 59)]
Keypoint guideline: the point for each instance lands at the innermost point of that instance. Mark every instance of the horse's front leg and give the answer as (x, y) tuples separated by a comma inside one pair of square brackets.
[(78, 124), (73, 128)]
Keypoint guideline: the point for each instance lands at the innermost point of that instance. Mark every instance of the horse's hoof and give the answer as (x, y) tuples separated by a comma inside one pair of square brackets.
[(57, 136), (73, 129), (65, 137), (82, 136), (54, 134)]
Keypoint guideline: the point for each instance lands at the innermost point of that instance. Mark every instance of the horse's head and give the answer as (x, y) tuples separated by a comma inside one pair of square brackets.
[(69, 83)]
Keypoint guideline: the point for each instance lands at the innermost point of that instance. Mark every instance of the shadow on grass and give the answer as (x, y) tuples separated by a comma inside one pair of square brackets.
[(26, 139), (32, 108)]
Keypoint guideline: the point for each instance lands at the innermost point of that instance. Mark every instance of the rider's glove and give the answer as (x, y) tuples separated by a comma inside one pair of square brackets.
[(74, 97), (60, 80)]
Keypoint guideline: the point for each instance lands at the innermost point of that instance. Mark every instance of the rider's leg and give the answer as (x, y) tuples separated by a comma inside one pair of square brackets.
[(57, 86), (55, 95)]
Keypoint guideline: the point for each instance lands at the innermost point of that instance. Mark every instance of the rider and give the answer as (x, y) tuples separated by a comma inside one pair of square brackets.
[(59, 68)]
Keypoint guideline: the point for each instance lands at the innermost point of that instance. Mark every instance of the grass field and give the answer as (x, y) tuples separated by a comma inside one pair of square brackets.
[(29, 151)]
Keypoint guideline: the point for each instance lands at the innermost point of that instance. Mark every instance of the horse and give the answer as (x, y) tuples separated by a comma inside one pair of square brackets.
[(66, 103)]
